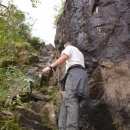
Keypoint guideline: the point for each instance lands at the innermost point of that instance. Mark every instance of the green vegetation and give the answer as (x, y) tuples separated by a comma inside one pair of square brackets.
[(16, 47), (16, 42), (53, 93), (13, 27), (15, 53), (59, 11), (9, 123), (12, 82), (34, 3), (35, 42), (117, 124)]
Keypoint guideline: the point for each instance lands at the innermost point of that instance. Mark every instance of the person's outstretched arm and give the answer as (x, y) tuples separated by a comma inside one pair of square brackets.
[(62, 59)]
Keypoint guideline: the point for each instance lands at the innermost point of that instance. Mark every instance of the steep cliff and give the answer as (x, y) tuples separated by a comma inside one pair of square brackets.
[(101, 30)]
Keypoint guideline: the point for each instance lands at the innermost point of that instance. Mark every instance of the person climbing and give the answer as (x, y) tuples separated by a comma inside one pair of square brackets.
[(74, 85)]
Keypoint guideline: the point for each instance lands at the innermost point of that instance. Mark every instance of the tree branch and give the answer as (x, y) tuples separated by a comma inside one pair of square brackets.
[(4, 6)]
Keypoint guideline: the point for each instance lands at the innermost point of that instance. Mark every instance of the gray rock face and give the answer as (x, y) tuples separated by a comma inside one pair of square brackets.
[(101, 30)]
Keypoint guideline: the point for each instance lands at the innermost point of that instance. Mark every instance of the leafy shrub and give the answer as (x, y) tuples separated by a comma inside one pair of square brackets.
[(8, 123), (35, 42), (12, 82)]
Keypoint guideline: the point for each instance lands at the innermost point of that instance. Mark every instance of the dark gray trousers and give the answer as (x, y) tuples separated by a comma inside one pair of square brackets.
[(68, 117)]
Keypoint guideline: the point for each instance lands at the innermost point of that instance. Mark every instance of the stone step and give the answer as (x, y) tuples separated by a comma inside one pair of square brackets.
[(29, 114), (27, 123)]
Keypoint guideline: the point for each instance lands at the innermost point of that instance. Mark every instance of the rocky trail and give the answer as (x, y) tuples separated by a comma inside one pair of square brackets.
[(39, 111)]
